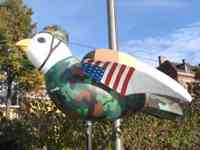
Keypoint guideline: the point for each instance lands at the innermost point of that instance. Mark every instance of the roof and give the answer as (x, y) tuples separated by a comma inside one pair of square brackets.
[(181, 67)]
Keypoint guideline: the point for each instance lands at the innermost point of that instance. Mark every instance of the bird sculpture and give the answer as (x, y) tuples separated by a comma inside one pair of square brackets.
[(105, 84)]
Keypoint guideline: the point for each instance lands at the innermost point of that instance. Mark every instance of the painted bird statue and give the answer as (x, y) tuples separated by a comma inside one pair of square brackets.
[(105, 84)]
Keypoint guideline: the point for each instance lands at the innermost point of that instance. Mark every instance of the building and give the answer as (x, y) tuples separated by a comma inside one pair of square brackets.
[(182, 72)]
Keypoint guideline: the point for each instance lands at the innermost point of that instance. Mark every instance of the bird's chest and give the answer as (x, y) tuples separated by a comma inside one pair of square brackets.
[(85, 99)]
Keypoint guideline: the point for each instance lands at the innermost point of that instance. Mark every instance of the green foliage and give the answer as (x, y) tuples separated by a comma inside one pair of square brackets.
[(17, 74), (17, 135), (48, 127)]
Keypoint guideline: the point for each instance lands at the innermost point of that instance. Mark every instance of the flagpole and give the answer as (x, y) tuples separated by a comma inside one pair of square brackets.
[(113, 44), (112, 25)]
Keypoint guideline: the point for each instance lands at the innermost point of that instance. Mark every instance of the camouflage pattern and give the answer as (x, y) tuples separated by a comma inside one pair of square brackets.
[(165, 107), (75, 93)]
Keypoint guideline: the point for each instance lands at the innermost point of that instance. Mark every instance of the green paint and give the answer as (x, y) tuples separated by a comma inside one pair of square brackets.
[(57, 78)]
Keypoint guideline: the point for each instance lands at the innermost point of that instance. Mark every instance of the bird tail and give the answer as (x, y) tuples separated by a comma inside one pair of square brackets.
[(160, 106)]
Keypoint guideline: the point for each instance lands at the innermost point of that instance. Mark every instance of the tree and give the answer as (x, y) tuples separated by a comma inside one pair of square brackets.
[(17, 74)]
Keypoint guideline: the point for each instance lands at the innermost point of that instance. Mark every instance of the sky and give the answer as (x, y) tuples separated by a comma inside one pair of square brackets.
[(146, 28)]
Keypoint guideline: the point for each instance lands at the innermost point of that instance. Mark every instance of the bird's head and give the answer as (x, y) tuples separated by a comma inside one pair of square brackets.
[(46, 48)]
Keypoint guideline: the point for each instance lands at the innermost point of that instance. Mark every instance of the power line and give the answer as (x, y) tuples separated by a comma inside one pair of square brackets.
[(138, 51), (150, 59), (82, 45), (92, 47)]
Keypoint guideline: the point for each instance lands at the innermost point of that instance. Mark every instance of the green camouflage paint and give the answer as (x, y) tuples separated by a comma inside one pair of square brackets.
[(78, 93)]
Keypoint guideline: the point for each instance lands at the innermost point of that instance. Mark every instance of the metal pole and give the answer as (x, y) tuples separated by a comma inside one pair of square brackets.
[(112, 25), (113, 44), (89, 135)]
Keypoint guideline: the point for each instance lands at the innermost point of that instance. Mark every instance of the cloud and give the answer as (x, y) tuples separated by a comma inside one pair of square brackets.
[(184, 43)]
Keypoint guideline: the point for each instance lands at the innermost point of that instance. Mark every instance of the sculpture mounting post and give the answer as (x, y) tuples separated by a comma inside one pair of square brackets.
[(113, 44), (89, 134)]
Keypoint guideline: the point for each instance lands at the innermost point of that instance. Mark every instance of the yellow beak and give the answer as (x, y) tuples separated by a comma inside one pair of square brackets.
[(23, 44)]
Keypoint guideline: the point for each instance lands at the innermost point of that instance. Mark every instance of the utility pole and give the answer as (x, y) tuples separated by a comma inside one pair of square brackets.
[(113, 44)]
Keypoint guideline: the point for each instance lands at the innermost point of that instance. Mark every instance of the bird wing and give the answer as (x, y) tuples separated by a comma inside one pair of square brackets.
[(143, 78), (129, 76)]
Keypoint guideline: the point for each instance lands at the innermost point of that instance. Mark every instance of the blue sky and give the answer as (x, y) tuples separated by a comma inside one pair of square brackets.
[(146, 28)]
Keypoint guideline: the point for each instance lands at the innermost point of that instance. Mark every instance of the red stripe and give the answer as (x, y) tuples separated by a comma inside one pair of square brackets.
[(117, 80), (109, 76), (88, 60), (97, 62), (125, 85), (105, 65)]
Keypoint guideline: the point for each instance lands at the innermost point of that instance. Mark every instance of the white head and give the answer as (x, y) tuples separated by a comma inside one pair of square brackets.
[(44, 50)]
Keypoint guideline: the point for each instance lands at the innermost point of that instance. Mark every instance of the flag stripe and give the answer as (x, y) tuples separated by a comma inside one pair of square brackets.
[(117, 80), (125, 85), (97, 62), (107, 70), (121, 82), (105, 65), (109, 76), (88, 60), (114, 76), (101, 64)]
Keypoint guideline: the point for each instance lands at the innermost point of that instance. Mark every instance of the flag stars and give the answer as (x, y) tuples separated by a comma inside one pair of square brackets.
[(93, 71)]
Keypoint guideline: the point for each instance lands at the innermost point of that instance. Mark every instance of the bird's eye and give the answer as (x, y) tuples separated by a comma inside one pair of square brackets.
[(41, 40)]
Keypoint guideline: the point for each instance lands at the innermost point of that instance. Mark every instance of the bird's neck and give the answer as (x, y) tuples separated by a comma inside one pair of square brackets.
[(59, 71), (61, 53)]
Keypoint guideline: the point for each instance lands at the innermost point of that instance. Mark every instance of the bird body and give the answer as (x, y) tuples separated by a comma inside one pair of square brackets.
[(75, 93), (105, 84)]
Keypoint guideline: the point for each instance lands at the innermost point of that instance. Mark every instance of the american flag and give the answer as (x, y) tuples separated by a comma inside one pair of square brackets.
[(115, 76)]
